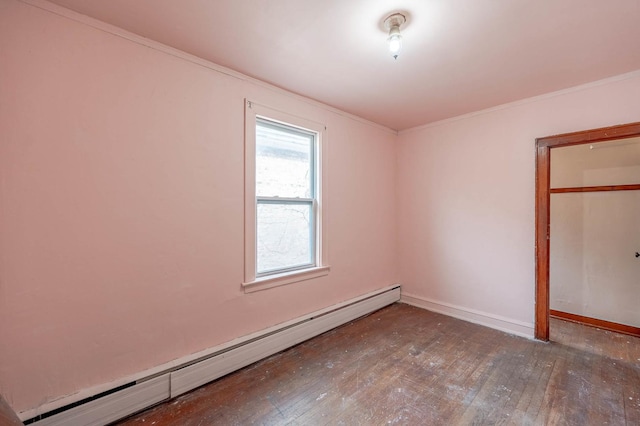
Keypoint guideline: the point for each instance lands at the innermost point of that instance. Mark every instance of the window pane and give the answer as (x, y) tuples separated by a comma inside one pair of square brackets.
[(284, 236), (283, 161)]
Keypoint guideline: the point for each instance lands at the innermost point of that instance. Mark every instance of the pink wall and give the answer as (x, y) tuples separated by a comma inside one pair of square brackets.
[(466, 197), (121, 204), (121, 220)]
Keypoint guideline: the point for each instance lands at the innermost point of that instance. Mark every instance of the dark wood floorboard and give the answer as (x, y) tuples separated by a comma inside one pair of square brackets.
[(405, 365)]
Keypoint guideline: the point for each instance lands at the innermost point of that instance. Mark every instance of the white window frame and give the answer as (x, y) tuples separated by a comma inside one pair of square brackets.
[(253, 281)]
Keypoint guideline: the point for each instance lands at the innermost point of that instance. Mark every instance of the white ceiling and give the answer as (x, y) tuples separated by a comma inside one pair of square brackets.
[(459, 56)]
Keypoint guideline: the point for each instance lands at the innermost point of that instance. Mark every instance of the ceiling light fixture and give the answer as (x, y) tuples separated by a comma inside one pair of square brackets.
[(393, 23)]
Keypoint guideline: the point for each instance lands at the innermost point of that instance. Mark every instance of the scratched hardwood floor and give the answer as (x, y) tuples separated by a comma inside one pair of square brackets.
[(405, 365)]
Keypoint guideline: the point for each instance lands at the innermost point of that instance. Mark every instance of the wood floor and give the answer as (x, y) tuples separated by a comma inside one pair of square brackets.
[(405, 365)]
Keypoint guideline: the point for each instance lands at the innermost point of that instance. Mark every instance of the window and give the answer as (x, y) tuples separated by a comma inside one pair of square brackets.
[(283, 208), (285, 198)]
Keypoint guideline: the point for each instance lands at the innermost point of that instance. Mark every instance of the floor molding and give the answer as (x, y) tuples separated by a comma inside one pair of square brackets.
[(594, 322), (497, 322), (206, 366)]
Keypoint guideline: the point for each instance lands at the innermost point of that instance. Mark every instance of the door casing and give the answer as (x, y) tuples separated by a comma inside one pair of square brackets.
[(543, 204)]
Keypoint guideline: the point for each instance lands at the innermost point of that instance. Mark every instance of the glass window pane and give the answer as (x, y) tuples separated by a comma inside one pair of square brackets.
[(284, 236), (283, 161)]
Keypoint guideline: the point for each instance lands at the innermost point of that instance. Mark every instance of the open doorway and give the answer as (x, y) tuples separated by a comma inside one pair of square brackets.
[(545, 188)]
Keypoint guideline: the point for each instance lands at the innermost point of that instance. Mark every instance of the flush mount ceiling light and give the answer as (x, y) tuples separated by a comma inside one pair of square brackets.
[(393, 23)]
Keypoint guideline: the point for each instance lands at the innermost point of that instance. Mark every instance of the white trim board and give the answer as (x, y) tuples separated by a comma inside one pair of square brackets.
[(508, 325), (194, 370), (525, 101), (156, 45)]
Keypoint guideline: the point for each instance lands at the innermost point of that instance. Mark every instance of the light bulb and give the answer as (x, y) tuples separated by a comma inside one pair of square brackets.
[(395, 45), (393, 23)]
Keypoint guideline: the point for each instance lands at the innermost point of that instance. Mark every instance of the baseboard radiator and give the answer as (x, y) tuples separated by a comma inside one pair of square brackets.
[(136, 396)]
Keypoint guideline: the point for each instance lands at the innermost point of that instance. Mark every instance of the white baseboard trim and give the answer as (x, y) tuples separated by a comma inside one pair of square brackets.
[(508, 325), (187, 373)]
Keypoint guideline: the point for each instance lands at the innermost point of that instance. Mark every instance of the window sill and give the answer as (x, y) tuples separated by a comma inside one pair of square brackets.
[(271, 281)]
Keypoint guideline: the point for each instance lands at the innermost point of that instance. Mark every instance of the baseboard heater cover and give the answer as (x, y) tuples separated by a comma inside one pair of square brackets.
[(112, 407), (145, 393), (191, 377)]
